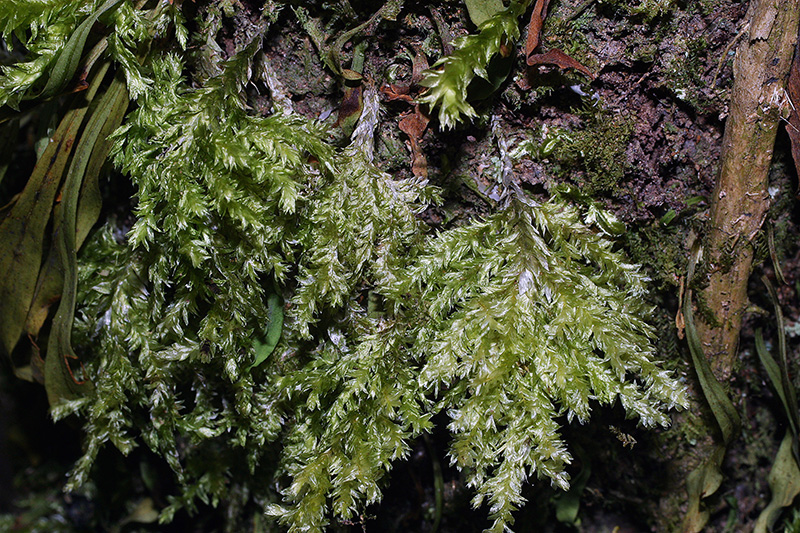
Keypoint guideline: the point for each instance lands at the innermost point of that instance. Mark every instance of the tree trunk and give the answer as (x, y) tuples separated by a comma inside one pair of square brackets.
[(740, 199), (739, 206)]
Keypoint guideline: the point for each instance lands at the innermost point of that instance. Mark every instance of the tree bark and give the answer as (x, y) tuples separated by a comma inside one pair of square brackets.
[(738, 207), (740, 198)]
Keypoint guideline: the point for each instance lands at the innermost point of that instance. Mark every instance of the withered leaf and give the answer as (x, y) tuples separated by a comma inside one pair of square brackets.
[(559, 59), (414, 125), (419, 66), (535, 26), (397, 92), (350, 109), (552, 57)]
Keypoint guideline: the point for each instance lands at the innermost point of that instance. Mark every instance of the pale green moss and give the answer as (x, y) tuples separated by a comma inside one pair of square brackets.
[(508, 325)]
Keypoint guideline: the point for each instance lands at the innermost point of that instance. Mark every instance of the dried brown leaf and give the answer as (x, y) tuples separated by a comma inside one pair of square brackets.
[(559, 59), (419, 66), (397, 92), (793, 127), (535, 26), (414, 125)]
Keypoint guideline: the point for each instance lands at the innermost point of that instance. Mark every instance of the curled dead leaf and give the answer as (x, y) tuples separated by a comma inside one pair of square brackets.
[(561, 60), (397, 92), (414, 125), (535, 26)]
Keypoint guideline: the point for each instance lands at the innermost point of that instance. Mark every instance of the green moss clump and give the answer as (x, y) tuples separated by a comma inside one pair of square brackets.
[(597, 151), (278, 323), (646, 10), (684, 68)]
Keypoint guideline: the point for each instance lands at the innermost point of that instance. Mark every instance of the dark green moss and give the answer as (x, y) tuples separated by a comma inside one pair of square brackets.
[(661, 249), (597, 151)]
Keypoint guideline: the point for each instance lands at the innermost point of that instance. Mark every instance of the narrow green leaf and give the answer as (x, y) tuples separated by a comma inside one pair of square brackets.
[(773, 254), (90, 201), (778, 370), (60, 380), (569, 503), (770, 365), (50, 282), (721, 406), (775, 376), (784, 482), (706, 478), (694, 200), (23, 228), (668, 217), (438, 483), (264, 346), (66, 62)]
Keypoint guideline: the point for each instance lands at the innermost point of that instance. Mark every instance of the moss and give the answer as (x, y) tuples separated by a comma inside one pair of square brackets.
[(570, 36), (597, 151), (646, 11), (661, 249), (685, 65), (792, 521), (705, 312), (279, 323)]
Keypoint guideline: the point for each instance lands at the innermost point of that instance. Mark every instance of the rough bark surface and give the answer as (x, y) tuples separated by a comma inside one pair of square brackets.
[(740, 199)]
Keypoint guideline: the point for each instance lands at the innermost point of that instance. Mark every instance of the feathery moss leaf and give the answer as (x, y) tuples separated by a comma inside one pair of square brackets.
[(448, 78), (506, 324)]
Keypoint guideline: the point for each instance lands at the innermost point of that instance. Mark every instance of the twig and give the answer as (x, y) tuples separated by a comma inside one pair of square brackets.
[(725, 53)]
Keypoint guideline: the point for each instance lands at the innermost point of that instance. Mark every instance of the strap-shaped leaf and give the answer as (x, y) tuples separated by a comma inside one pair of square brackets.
[(721, 406), (265, 345), (51, 277), (90, 201), (707, 477), (784, 482), (23, 228), (777, 375), (66, 63), (784, 478), (778, 370), (59, 379)]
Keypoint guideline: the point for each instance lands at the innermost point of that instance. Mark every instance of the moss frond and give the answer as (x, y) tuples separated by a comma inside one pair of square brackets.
[(43, 28), (505, 324), (449, 77), (530, 315)]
